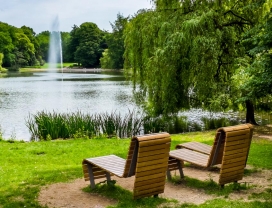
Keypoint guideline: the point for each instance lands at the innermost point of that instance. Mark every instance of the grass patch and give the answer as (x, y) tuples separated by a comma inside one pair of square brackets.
[(266, 195), (221, 203), (260, 151), (28, 166)]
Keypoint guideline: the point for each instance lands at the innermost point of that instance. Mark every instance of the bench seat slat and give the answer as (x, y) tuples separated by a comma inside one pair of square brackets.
[(196, 146), (190, 156)]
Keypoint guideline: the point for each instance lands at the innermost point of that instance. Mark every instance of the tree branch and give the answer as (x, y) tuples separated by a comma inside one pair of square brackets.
[(240, 23), (236, 15)]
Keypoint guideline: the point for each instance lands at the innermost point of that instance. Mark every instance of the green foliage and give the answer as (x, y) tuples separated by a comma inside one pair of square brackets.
[(184, 55), (85, 45), (19, 46), (105, 60), (43, 39), (54, 125), (214, 123), (256, 73), (113, 57), (1, 61)]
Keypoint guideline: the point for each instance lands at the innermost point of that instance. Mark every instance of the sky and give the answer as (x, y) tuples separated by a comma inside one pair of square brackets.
[(40, 14)]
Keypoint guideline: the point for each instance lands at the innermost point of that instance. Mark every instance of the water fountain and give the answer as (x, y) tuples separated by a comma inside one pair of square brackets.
[(55, 46)]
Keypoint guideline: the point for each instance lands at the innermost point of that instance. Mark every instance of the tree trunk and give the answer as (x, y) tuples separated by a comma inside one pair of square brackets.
[(250, 113)]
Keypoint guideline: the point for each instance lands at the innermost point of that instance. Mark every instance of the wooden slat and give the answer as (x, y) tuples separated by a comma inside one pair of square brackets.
[(153, 157), (236, 147), (190, 156), (236, 151), (232, 174), (145, 178), (150, 186), (232, 169), (196, 146), (155, 152), (149, 192), (149, 137), (238, 142), (152, 162), (151, 172), (155, 142), (232, 178), (232, 134), (233, 156), (240, 163), (144, 182), (154, 147), (234, 160), (151, 167)]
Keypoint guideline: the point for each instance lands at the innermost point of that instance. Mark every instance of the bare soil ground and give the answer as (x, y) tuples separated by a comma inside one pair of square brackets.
[(70, 195)]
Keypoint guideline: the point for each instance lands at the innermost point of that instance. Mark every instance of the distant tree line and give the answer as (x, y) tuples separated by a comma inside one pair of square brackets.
[(86, 45)]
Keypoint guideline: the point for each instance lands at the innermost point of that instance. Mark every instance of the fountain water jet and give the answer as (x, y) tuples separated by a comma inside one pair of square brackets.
[(55, 46)]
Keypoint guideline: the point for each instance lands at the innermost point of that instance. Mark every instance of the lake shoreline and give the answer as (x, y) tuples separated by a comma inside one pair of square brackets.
[(71, 70)]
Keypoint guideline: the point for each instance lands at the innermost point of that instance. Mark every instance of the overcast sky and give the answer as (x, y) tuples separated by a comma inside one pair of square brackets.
[(40, 14)]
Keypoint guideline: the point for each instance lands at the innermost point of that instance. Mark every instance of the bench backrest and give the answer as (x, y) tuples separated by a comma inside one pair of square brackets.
[(150, 163), (218, 148), (236, 148)]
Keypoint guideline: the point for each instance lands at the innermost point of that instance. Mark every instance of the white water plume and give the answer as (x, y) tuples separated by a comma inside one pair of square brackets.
[(55, 46)]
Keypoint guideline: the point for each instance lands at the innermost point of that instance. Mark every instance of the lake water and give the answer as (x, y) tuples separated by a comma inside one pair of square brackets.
[(22, 94)]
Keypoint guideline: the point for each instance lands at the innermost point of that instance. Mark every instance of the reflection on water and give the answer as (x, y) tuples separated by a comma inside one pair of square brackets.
[(22, 94)]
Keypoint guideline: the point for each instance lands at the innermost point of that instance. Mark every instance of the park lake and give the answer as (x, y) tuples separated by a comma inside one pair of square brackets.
[(24, 94)]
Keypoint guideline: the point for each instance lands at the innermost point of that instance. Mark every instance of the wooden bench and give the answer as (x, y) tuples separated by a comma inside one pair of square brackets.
[(147, 159), (230, 149)]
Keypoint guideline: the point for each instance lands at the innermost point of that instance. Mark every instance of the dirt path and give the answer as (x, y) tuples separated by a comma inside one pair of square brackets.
[(71, 195)]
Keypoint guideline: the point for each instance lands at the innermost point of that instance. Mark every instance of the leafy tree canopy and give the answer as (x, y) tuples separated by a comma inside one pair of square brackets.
[(115, 43), (185, 53)]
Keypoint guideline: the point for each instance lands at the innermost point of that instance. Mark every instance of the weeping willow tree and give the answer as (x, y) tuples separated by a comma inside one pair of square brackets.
[(183, 53)]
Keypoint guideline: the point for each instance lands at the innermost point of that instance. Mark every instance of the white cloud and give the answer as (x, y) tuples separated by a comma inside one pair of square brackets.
[(39, 14)]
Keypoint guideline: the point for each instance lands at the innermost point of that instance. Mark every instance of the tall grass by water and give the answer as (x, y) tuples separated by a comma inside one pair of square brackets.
[(52, 125)]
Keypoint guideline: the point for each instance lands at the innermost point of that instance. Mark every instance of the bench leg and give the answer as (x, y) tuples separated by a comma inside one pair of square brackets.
[(91, 176), (169, 177), (180, 169), (168, 173), (108, 176)]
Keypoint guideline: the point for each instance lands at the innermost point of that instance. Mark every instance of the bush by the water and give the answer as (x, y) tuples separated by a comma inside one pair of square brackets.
[(49, 126)]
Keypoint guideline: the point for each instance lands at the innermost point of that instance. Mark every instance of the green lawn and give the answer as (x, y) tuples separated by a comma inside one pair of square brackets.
[(26, 166)]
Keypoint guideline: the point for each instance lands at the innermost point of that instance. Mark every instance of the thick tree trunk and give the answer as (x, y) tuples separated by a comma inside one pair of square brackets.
[(250, 113)]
